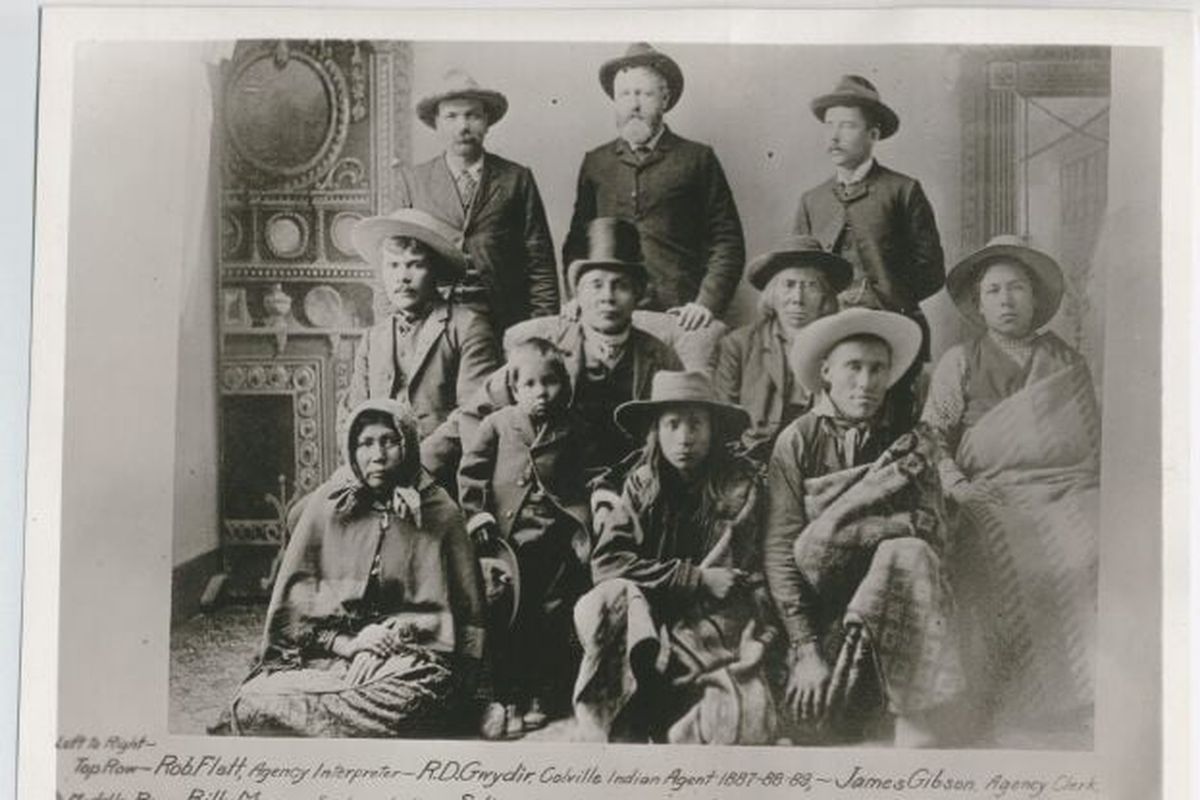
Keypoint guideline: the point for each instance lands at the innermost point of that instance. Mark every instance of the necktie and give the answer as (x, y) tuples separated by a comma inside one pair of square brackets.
[(466, 188), (642, 152)]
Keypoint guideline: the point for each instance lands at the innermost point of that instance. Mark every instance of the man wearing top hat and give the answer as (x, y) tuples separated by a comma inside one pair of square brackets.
[(877, 219), (431, 353), (855, 539), (672, 188), (799, 282), (511, 272), (608, 360)]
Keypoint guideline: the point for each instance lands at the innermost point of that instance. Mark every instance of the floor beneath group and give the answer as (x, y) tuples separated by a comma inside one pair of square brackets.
[(212, 653)]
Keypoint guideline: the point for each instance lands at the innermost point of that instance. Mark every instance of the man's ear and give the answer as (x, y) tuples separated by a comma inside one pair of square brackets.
[(825, 369)]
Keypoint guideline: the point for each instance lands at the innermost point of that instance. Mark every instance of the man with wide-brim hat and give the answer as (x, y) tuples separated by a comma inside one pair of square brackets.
[(681, 390), (608, 360), (799, 281), (429, 352), (877, 219), (676, 547), (672, 188), (494, 202), (848, 490)]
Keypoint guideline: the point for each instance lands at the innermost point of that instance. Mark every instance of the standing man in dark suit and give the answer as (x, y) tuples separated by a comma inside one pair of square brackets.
[(877, 219), (673, 189), (494, 202)]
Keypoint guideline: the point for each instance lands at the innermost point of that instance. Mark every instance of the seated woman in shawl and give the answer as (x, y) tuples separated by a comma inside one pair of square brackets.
[(375, 623), (1016, 415), (672, 633), (799, 282)]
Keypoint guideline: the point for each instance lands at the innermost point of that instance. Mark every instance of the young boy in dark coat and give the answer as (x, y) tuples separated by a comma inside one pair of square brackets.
[(521, 480)]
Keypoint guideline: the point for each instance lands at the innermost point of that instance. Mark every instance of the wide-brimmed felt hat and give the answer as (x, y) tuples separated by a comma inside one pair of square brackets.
[(457, 84), (613, 243), (1047, 277), (680, 388), (440, 236), (857, 92), (800, 250), (641, 54), (814, 342)]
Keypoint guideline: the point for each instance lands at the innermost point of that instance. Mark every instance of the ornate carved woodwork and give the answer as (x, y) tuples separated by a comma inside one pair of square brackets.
[(1002, 88), (310, 135)]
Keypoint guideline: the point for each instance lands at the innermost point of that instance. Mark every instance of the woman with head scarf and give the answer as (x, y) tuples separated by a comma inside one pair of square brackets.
[(799, 282), (375, 623), (672, 633)]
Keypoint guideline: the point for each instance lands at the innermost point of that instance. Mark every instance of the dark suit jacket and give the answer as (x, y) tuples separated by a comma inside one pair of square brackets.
[(753, 372), (684, 210), (505, 233), (456, 351), (892, 227), (500, 466)]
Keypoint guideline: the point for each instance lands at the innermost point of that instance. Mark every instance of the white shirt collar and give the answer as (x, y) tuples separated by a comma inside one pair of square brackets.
[(859, 173), (475, 170), (652, 143)]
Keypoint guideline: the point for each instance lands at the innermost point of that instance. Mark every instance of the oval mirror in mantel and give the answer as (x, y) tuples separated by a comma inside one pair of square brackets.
[(286, 113)]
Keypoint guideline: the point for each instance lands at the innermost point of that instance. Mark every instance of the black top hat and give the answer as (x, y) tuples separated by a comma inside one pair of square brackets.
[(641, 54), (856, 91), (612, 243)]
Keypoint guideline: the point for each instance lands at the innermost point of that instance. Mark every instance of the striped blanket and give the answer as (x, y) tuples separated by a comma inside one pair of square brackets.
[(1029, 533), (873, 552)]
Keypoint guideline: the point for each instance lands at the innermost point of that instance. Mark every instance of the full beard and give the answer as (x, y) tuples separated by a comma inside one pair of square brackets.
[(636, 130)]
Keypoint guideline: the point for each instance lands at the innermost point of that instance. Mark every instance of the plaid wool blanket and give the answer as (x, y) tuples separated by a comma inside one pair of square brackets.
[(873, 552)]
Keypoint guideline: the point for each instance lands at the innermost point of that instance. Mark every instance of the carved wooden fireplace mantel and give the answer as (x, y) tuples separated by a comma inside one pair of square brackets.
[(310, 135)]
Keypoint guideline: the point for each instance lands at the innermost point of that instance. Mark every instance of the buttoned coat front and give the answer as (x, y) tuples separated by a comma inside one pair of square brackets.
[(504, 231), (507, 456), (893, 231), (454, 352), (678, 197)]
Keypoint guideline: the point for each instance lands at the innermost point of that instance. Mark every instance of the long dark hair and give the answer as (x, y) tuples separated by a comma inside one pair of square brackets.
[(717, 464)]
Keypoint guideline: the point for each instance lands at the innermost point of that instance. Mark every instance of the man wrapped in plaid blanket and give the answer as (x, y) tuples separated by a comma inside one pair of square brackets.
[(855, 541)]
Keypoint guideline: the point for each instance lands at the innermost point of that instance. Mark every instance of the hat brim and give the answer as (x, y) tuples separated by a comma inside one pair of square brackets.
[(494, 104), (634, 269), (659, 62), (889, 122), (836, 270), (815, 340), (960, 282), (500, 550), (369, 235), (636, 416)]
